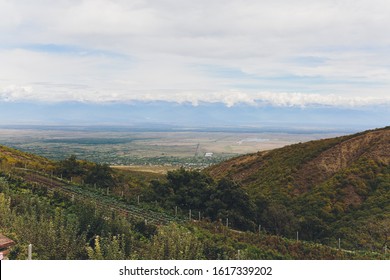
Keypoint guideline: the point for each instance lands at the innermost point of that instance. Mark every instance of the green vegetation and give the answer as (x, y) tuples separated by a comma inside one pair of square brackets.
[(198, 192), (14, 158), (99, 175), (61, 229), (250, 207), (58, 228), (325, 190)]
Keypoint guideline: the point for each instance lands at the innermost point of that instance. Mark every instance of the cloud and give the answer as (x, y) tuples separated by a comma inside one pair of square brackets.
[(14, 93), (285, 53), (229, 98)]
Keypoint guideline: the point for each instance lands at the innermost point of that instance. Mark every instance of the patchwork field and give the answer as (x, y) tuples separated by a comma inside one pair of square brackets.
[(128, 148)]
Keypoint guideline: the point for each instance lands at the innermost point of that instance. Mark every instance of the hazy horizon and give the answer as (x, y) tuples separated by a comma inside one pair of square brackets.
[(231, 63), (205, 115)]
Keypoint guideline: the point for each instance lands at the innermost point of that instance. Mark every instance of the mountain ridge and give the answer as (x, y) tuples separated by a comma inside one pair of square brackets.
[(330, 156), (326, 189)]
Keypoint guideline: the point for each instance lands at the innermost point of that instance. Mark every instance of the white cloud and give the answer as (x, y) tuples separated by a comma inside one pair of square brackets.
[(161, 44), (13, 93), (229, 98)]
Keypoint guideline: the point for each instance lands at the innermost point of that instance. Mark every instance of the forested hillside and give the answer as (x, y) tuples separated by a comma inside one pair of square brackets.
[(251, 207), (326, 189)]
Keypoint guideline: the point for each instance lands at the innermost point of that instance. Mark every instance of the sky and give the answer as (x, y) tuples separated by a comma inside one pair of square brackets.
[(280, 53)]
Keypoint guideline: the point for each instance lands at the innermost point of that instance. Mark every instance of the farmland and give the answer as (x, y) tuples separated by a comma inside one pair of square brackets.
[(142, 148)]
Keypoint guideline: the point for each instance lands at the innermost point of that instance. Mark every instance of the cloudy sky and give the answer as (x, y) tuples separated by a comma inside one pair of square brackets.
[(280, 52)]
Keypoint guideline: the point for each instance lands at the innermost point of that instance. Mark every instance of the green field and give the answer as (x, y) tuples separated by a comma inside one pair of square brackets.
[(179, 148)]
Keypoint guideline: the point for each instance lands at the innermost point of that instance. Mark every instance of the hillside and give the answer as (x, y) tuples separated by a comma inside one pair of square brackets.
[(60, 227), (73, 220), (326, 189), (309, 163), (10, 157)]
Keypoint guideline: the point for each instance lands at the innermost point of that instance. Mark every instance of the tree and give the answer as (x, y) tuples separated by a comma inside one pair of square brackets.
[(70, 167), (229, 200), (279, 220), (379, 230), (185, 189), (101, 175)]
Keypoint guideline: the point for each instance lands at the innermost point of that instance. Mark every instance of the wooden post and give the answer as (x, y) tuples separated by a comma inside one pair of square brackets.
[(29, 252), (339, 243), (259, 228), (199, 215), (175, 211), (190, 215), (227, 222), (297, 236), (138, 199)]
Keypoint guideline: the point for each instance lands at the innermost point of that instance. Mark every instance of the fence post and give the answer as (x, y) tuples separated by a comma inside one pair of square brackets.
[(29, 252)]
